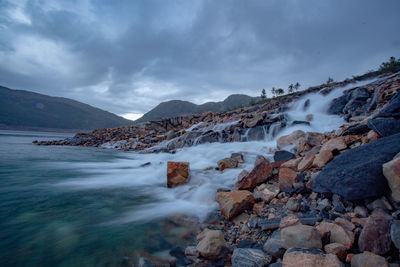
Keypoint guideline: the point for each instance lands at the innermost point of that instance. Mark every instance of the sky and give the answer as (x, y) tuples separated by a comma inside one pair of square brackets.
[(127, 56)]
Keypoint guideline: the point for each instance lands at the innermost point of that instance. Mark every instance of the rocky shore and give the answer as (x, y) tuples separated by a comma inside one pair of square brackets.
[(326, 199)]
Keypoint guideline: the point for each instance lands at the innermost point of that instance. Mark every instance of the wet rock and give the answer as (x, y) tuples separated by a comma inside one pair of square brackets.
[(337, 249), (238, 157), (256, 133), (300, 236), (356, 130), (337, 105), (314, 139), (309, 117), (177, 173), (211, 244), (368, 259), (322, 158), (391, 171), (303, 257), (234, 202), (227, 163), (305, 163), (338, 234), (375, 236), (356, 173), (290, 139), (273, 246), (385, 126), (250, 257), (261, 172), (395, 233), (283, 155), (266, 192), (336, 143), (302, 145)]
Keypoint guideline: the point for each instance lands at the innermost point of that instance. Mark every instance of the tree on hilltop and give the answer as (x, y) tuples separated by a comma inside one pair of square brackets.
[(263, 94), (290, 88), (296, 86)]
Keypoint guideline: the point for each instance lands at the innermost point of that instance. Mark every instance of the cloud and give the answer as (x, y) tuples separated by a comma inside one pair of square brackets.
[(127, 56)]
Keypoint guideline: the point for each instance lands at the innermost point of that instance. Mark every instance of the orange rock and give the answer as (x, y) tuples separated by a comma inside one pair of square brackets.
[(336, 143), (322, 158), (234, 202), (305, 163), (372, 135), (292, 164), (261, 172), (287, 177), (177, 173)]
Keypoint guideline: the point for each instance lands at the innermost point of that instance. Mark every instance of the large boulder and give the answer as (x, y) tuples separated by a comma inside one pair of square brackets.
[(234, 202), (391, 170), (177, 173), (375, 236), (300, 236), (261, 172), (211, 244), (287, 177), (357, 173), (250, 257), (385, 126), (302, 257)]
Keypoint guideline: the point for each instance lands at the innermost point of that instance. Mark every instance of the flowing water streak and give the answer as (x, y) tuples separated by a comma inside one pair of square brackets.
[(197, 198)]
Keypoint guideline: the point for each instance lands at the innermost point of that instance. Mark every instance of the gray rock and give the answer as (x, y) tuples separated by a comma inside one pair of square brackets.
[(385, 126), (269, 224), (393, 109), (249, 257), (301, 236), (273, 246), (395, 233), (357, 173), (293, 205)]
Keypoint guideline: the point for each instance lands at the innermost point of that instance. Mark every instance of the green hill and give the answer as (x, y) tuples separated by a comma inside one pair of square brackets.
[(178, 107), (19, 109)]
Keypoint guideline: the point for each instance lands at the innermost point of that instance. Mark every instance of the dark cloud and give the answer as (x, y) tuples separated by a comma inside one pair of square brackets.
[(127, 56)]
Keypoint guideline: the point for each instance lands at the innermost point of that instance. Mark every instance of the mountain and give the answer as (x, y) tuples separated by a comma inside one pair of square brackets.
[(178, 107), (23, 109)]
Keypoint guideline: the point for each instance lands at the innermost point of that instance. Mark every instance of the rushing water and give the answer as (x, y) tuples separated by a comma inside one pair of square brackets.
[(76, 206)]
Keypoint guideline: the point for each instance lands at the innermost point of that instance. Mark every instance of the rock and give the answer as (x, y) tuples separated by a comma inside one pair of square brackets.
[(300, 236), (314, 139), (250, 257), (270, 224), (322, 158), (336, 143), (177, 173), (338, 234), (395, 233), (289, 221), (375, 236), (248, 244), (302, 257), (227, 163), (393, 109), (211, 244), (266, 192), (290, 139), (283, 155), (345, 224), (238, 157), (287, 177), (368, 259), (356, 173), (234, 202), (292, 164), (337, 105), (384, 126), (391, 171), (356, 130), (242, 174), (273, 246), (361, 211), (191, 251), (309, 117), (261, 172), (336, 249), (293, 205), (302, 145), (305, 163)]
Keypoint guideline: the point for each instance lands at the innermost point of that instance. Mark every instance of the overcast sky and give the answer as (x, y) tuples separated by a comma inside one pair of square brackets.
[(127, 56)]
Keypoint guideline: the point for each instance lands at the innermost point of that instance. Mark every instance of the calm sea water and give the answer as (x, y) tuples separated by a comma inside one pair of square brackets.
[(45, 224)]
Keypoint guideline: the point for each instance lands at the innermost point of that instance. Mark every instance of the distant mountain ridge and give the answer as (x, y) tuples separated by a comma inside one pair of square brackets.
[(19, 108), (175, 108)]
